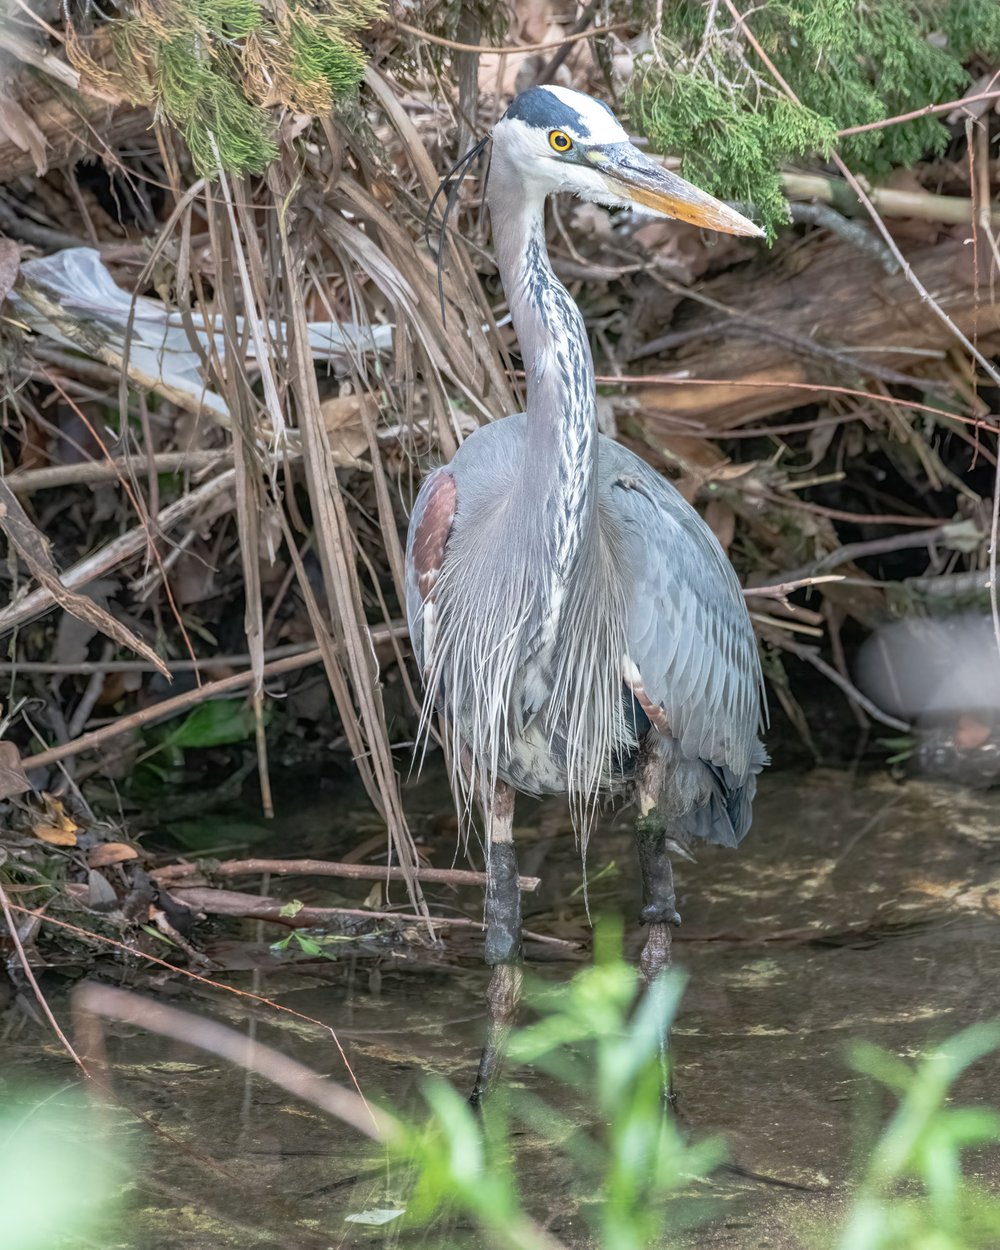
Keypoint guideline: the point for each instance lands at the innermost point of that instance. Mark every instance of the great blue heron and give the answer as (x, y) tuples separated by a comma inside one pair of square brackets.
[(577, 625)]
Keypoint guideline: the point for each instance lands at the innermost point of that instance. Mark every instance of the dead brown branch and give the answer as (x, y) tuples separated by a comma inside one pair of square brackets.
[(95, 472), (116, 552), (173, 874)]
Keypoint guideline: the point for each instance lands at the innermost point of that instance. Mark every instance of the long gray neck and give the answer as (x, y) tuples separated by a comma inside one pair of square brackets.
[(559, 473)]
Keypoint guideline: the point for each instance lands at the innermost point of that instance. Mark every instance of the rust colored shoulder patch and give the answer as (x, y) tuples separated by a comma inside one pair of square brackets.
[(431, 535)]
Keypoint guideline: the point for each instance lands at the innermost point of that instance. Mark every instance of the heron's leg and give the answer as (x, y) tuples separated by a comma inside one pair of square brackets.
[(659, 910), (503, 938)]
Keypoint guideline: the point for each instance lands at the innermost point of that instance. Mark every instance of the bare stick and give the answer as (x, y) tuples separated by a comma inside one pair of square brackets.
[(811, 656), (167, 709), (172, 874), (783, 589), (680, 379), (217, 1039), (890, 201), (59, 669), (90, 472), (260, 907)]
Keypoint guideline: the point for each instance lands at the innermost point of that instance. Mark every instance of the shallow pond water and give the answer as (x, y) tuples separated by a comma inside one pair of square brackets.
[(859, 907)]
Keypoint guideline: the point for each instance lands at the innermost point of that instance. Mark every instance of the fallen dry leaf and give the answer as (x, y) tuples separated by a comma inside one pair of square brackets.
[(55, 826), (13, 779), (110, 853), (55, 835), (343, 416)]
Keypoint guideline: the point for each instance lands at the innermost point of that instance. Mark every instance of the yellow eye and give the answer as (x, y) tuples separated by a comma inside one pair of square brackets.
[(560, 141)]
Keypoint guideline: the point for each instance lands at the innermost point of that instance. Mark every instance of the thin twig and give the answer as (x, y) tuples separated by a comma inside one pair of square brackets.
[(91, 472), (181, 702), (510, 49), (83, 669), (168, 708), (89, 935), (927, 111), (783, 589), (30, 976), (812, 656), (676, 379)]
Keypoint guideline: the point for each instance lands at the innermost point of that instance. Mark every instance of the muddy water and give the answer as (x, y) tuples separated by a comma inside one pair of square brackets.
[(858, 908)]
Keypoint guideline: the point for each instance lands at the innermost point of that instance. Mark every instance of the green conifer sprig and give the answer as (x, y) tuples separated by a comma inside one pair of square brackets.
[(213, 68), (703, 94)]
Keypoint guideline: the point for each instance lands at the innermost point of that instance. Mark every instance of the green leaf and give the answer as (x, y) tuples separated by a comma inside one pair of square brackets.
[(214, 724)]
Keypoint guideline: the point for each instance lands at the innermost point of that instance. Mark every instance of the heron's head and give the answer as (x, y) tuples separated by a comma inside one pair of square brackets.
[(563, 140)]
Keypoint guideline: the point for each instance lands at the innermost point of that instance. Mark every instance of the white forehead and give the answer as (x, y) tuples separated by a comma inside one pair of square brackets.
[(541, 109), (602, 124)]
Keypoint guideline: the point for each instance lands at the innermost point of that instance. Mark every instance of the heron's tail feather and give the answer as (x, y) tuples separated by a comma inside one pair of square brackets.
[(707, 801)]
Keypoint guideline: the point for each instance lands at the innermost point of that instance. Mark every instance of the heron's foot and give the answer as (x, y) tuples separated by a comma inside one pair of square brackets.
[(502, 998), (655, 957)]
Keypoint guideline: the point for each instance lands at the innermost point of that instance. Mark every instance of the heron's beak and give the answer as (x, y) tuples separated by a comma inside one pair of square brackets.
[(633, 178)]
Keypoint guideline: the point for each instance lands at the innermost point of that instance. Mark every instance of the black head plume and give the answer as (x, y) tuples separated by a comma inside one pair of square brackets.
[(450, 187)]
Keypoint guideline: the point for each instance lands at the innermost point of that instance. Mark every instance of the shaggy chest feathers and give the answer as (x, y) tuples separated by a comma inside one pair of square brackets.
[(527, 665)]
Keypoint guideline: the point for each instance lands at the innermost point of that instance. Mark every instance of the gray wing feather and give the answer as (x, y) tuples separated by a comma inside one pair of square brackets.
[(689, 633)]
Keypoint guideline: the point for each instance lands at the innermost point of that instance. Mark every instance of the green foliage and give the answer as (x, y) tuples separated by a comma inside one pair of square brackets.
[(592, 1038), (56, 1189), (216, 723), (913, 1195), (219, 124), (705, 94), (214, 66), (321, 59)]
